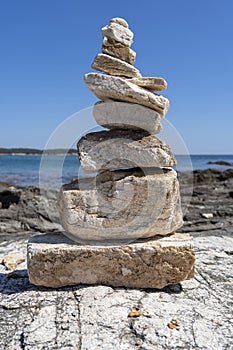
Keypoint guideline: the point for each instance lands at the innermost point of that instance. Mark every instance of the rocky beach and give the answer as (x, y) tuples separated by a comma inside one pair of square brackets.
[(196, 314), (116, 175)]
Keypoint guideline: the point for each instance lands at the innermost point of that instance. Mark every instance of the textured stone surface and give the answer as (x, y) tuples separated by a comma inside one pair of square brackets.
[(96, 317), (118, 32), (54, 261), (114, 66), (123, 204), (118, 50), (125, 115), (107, 87), (149, 83), (116, 149)]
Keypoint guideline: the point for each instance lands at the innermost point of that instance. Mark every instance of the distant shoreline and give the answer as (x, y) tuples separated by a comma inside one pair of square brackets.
[(39, 154), (35, 152)]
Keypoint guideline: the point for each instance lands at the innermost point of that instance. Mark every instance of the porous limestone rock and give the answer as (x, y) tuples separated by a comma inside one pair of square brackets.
[(150, 83), (125, 115), (108, 87), (55, 261), (119, 33), (118, 50), (114, 66), (121, 205), (116, 149)]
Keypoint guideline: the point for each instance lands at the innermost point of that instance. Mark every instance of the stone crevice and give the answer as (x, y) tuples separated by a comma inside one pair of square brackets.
[(78, 299)]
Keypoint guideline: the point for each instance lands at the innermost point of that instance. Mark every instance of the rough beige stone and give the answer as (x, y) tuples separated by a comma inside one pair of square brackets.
[(123, 204), (56, 261), (119, 33), (114, 66), (107, 87), (149, 83), (125, 115), (12, 261), (118, 50), (115, 149)]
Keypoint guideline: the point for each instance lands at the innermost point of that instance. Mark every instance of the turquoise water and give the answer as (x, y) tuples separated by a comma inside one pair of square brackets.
[(24, 170)]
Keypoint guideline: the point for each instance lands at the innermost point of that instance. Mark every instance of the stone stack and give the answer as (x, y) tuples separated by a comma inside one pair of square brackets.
[(120, 214)]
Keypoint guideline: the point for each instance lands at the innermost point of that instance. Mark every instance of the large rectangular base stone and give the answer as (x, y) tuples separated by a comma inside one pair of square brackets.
[(55, 261)]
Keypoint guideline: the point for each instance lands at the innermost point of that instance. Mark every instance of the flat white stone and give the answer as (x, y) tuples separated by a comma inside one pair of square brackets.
[(115, 149), (56, 261), (119, 33), (114, 66), (125, 115), (124, 204), (108, 87), (150, 83)]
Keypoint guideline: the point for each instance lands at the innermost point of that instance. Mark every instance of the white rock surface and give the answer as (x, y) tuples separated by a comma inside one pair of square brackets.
[(114, 66), (120, 21), (121, 205), (55, 261), (125, 115), (119, 33), (118, 50), (150, 83), (117, 149), (108, 87)]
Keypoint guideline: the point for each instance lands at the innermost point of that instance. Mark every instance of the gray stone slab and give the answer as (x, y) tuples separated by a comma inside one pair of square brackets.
[(125, 115)]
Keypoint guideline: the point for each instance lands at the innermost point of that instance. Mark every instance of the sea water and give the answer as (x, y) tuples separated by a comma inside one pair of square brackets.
[(26, 170)]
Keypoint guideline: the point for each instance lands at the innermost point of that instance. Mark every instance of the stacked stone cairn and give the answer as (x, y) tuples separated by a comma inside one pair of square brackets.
[(126, 215)]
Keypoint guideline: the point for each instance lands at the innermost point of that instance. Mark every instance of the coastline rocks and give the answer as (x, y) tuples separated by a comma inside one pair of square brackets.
[(55, 261), (114, 66), (110, 87), (125, 115), (115, 149), (28, 209), (149, 83), (122, 205), (221, 162)]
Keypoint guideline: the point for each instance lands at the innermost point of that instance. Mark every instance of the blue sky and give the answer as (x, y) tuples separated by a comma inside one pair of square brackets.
[(47, 47)]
